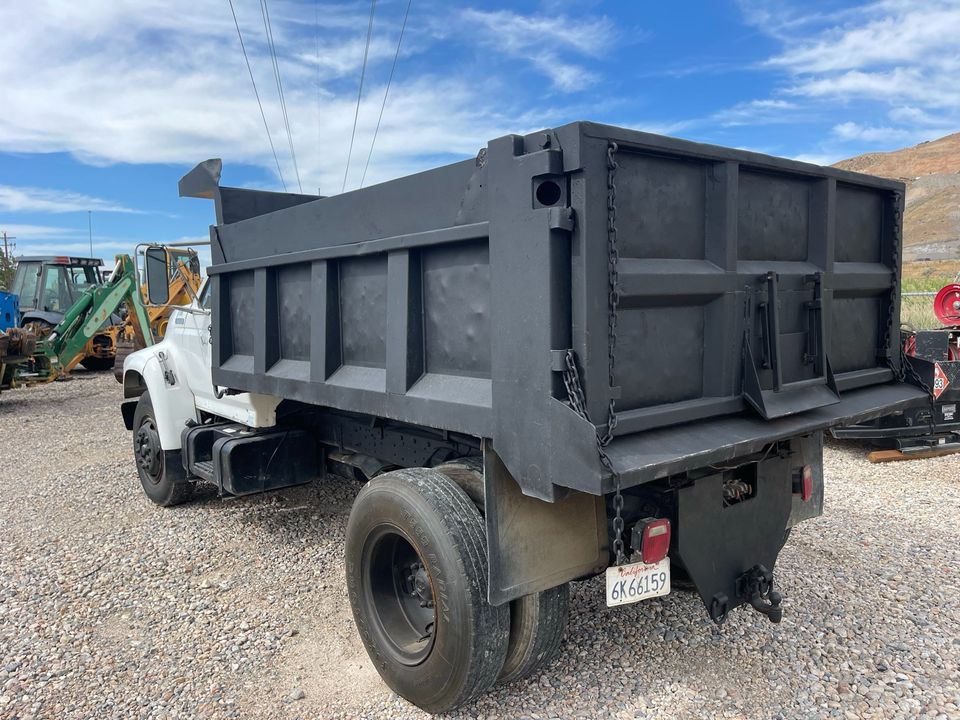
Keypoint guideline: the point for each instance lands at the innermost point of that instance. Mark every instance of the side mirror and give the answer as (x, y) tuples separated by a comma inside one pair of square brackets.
[(158, 281)]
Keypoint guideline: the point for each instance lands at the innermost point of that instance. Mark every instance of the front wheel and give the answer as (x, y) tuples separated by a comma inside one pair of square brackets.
[(416, 557), (161, 473)]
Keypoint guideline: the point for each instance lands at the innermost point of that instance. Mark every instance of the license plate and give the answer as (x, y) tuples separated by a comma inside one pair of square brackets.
[(631, 583)]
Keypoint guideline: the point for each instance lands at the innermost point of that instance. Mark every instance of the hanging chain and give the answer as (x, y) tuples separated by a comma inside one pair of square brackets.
[(905, 371), (571, 373), (885, 349), (613, 281)]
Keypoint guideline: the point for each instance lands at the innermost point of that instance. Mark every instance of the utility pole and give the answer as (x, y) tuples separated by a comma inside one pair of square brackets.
[(90, 229), (6, 262), (6, 246)]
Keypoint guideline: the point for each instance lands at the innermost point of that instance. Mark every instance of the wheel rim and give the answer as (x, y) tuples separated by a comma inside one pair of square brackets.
[(146, 449), (399, 594)]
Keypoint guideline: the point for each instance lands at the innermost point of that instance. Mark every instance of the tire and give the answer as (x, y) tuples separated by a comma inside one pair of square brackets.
[(161, 473), (124, 349), (537, 624), (537, 621), (414, 537), (98, 364), (468, 474)]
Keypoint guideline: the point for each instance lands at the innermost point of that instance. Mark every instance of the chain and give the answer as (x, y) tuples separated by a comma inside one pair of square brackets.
[(900, 373), (571, 374), (906, 370), (613, 281)]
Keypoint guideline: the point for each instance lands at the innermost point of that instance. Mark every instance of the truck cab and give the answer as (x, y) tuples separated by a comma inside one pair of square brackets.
[(178, 370)]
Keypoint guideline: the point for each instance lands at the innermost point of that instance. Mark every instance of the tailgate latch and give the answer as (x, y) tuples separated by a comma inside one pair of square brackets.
[(756, 587)]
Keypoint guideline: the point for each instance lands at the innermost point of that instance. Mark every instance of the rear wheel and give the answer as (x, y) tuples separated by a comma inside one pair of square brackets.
[(416, 557), (537, 621), (161, 473), (537, 624)]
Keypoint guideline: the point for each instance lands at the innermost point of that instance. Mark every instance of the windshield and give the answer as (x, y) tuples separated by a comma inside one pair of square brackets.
[(205, 295), (83, 277), (25, 283), (177, 257), (62, 285)]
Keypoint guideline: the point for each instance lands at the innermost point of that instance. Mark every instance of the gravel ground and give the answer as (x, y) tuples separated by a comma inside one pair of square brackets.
[(113, 608)]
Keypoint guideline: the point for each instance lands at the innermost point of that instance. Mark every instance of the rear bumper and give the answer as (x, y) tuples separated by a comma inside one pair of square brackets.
[(655, 454)]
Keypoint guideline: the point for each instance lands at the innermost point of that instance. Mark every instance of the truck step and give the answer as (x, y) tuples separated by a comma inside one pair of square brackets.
[(242, 460), (203, 469)]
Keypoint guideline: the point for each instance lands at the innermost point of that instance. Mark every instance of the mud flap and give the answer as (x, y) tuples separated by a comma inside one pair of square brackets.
[(729, 549)]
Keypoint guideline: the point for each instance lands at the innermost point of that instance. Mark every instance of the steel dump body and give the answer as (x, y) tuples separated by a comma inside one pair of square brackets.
[(757, 300)]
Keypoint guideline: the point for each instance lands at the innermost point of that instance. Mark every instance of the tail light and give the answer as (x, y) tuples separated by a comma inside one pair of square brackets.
[(803, 486), (654, 539)]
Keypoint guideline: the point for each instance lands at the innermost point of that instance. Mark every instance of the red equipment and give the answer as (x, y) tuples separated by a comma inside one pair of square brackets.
[(946, 305)]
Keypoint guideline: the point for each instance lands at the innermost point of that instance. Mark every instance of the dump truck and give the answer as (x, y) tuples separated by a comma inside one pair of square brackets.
[(589, 351)]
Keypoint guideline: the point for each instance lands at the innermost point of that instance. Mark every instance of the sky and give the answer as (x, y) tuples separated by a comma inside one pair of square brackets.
[(107, 103)]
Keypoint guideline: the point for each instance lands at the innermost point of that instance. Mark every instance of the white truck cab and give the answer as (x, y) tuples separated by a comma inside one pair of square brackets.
[(168, 386)]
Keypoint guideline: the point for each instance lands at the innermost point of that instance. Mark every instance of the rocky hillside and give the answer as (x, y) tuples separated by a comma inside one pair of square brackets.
[(931, 171)]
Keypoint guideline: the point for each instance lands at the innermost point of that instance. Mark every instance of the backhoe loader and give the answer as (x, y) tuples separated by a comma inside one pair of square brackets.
[(122, 295)]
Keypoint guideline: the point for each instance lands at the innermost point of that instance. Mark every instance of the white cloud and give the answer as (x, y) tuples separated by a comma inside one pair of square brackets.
[(105, 250), (886, 32), (889, 66), (892, 51), (544, 41), (872, 133), (817, 158), (164, 81), (45, 200), (757, 112), (25, 233)]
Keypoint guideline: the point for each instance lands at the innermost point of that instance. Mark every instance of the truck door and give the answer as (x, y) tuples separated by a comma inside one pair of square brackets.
[(189, 330)]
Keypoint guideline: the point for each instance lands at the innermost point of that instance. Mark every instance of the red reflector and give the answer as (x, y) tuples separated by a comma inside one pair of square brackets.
[(656, 541), (806, 483)]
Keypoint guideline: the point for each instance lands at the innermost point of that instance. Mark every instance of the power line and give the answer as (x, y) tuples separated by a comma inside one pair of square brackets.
[(356, 114), (383, 105), (316, 28), (257, 95), (268, 29)]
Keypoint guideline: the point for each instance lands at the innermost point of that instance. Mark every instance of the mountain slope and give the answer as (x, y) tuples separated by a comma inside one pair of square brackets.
[(931, 171)]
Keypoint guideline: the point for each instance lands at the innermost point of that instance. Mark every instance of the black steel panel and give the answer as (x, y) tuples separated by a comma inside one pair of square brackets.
[(661, 353), (662, 207), (855, 332), (859, 224), (456, 309), (774, 216), (293, 290), (363, 311), (242, 309)]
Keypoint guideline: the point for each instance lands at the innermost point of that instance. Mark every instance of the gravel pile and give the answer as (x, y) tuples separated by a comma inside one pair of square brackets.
[(112, 608)]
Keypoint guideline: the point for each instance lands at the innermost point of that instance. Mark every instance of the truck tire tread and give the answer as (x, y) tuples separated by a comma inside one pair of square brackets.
[(447, 511), (537, 625)]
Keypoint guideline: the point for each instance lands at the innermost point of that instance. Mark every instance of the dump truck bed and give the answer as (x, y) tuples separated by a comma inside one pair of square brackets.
[(706, 300)]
